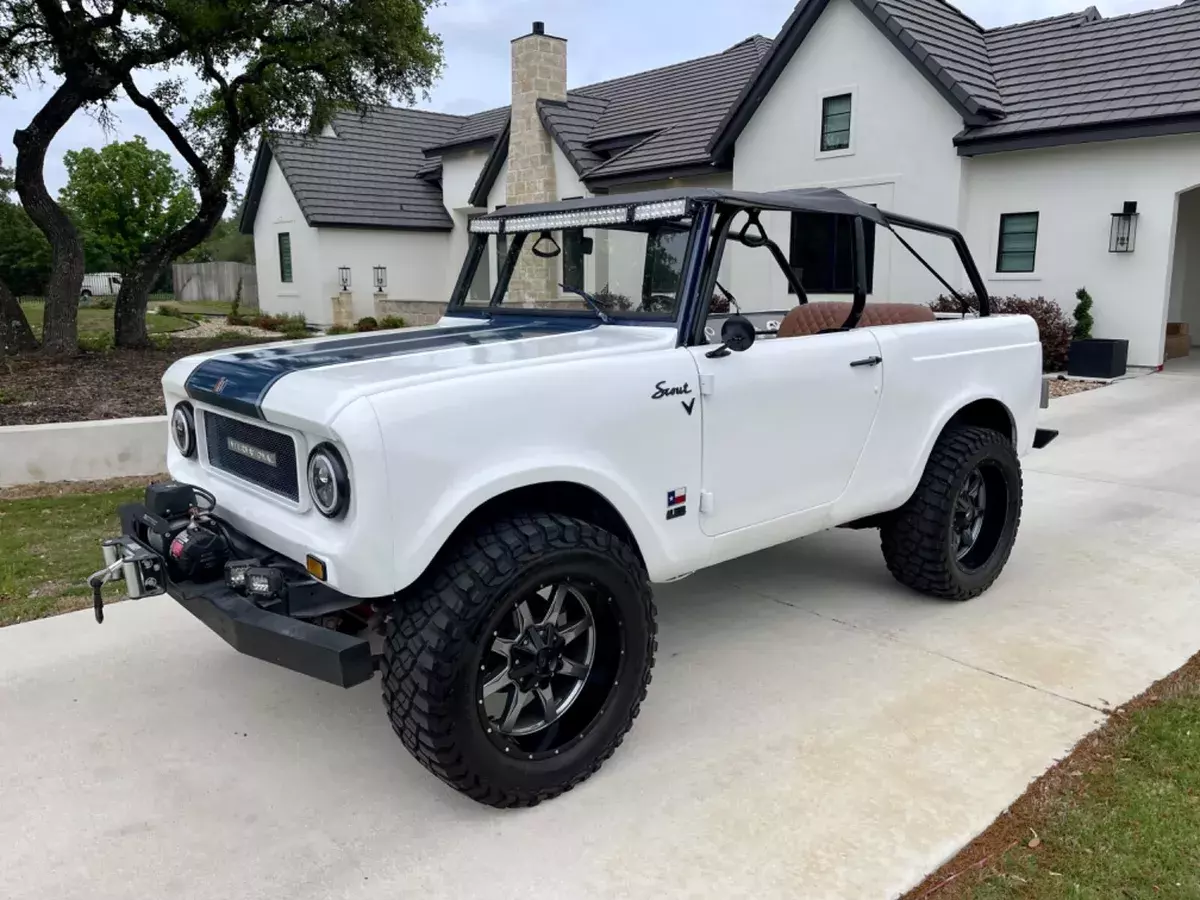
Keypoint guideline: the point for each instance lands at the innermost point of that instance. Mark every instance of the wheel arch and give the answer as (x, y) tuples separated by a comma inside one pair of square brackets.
[(986, 412), (560, 492)]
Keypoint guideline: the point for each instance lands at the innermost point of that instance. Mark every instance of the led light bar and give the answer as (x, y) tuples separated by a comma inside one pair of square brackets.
[(663, 209), (485, 226), (584, 218)]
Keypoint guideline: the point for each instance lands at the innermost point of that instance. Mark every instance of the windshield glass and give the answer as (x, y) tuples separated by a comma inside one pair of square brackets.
[(627, 270)]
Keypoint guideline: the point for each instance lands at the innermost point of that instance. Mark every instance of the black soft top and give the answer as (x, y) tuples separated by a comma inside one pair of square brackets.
[(819, 200)]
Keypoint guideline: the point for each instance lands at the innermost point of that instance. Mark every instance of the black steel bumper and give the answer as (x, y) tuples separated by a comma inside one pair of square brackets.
[(300, 646), (270, 631)]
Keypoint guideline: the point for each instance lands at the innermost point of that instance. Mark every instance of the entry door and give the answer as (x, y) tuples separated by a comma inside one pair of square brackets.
[(785, 424)]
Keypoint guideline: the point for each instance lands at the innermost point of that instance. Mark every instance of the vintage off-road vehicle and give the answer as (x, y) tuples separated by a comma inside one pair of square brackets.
[(478, 509)]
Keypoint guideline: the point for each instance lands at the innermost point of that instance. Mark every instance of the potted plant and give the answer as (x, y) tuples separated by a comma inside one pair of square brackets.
[(1094, 357)]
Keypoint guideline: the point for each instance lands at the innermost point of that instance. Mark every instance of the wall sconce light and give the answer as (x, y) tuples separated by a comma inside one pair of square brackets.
[(1124, 229), (380, 279), (344, 277)]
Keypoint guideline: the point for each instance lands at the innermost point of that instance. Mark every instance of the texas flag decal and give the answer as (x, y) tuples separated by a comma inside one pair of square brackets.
[(676, 503)]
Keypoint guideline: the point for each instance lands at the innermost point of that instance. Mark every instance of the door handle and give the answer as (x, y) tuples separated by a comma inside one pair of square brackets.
[(869, 361)]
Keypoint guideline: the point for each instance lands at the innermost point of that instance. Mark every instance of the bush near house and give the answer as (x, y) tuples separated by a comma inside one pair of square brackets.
[(1054, 326)]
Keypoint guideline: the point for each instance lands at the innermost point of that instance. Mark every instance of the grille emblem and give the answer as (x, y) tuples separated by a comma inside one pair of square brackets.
[(220, 385), (266, 457)]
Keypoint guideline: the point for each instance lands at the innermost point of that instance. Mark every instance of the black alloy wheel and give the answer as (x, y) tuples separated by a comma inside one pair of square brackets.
[(517, 665), (954, 536)]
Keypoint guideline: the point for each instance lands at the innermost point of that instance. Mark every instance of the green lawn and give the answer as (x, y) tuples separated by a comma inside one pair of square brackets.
[(98, 321), (1131, 830), (48, 548)]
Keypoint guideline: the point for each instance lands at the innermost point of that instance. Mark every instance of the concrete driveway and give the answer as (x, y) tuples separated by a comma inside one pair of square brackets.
[(812, 731)]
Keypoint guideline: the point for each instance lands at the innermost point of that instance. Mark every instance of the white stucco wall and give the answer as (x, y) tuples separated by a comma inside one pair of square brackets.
[(1076, 190), (901, 155), (279, 212), (416, 264)]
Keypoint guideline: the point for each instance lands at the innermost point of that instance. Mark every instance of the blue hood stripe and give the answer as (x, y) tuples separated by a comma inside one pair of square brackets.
[(239, 381)]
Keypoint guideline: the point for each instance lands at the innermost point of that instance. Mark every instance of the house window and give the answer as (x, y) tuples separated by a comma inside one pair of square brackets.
[(572, 258), (822, 253), (835, 123), (285, 257), (1018, 242)]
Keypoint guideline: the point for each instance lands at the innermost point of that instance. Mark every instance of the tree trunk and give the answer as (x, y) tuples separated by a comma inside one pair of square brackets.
[(59, 335), (130, 317), (15, 334)]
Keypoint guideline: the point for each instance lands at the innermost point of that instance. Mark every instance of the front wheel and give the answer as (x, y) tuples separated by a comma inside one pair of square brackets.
[(954, 536), (518, 667)]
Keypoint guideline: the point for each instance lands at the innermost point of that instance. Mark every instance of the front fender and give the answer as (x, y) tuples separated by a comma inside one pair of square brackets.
[(417, 550)]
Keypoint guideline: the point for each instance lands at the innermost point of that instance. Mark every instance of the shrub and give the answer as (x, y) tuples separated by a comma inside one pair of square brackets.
[(391, 322), (103, 303), (160, 342), (1083, 316), (282, 324), (612, 301), (1054, 328), (338, 329), (367, 323), (232, 319), (96, 341)]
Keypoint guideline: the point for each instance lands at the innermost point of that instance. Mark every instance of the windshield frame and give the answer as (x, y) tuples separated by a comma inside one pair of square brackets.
[(480, 246)]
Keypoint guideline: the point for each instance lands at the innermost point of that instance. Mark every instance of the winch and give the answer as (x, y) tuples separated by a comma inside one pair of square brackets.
[(185, 541)]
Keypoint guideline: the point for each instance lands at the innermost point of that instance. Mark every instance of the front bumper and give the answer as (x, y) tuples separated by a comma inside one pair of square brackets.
[(272, 636)]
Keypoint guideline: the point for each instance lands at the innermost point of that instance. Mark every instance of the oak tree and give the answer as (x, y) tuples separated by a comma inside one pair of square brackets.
[(212, 75)]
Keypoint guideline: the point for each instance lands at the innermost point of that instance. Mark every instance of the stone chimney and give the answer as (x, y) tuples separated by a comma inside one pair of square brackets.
[(539, 72)]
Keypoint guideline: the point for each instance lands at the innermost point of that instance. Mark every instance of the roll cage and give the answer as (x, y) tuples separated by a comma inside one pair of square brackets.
[(713, 212)]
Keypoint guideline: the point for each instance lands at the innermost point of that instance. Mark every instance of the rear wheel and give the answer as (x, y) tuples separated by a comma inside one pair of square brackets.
[(954, 536), (517, 668)]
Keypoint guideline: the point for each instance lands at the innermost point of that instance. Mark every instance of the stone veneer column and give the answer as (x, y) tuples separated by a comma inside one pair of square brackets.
[(539, 71)]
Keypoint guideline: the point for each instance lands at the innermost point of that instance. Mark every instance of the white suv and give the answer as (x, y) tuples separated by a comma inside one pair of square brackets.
[(478, 509)]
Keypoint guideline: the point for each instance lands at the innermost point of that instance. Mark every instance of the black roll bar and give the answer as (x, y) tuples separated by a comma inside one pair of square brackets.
[(960, 244)]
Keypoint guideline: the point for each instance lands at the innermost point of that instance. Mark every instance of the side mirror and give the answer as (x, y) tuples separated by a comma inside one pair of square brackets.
[(737, 334)]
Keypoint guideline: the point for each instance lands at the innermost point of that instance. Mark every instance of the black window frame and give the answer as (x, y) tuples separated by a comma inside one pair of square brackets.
[(826, 115), (286, 271), (1000, 252), (841, 249)]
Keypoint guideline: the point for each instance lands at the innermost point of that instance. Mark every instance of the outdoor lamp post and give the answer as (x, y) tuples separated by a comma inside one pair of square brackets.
[(344, 277), (380, 279), (1124, 229)]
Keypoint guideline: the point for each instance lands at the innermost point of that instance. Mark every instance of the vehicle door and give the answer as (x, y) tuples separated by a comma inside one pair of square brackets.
[(784, 424)]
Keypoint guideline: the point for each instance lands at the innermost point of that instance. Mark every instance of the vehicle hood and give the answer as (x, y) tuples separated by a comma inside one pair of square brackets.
[(310, 381)]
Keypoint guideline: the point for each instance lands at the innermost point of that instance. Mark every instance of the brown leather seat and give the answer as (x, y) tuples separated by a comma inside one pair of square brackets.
[(813, 318)]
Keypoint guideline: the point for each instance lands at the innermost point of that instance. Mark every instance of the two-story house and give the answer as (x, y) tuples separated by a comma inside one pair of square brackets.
[(1067, 150)]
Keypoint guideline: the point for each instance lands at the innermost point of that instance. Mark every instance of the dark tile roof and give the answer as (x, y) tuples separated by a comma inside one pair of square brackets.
[(475, 129), (368, 175), (1083, 72), (945, 39)]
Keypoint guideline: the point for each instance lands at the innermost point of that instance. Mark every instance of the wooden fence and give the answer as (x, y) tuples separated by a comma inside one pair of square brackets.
[(215, 281)]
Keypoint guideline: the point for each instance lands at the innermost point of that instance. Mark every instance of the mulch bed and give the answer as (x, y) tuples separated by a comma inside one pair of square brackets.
[(105, 385), (1016, 826)]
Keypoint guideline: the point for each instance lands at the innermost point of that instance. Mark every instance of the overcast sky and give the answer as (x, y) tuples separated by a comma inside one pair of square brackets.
[(606, 40)]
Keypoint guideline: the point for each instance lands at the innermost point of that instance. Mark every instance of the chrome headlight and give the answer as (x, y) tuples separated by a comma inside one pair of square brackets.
[(183, 429), (328, 481)]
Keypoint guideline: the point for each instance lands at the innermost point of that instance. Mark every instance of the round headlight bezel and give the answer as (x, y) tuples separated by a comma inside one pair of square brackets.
[(184, 413), (341, 481)]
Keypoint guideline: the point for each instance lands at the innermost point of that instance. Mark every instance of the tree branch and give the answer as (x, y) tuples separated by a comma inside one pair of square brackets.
[(170, 129)]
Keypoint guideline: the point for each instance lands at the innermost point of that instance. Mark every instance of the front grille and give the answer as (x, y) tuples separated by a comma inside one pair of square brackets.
[(259, 455)]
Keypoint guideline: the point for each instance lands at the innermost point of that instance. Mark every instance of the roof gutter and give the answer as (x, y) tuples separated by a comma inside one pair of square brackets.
[(1077, 134)]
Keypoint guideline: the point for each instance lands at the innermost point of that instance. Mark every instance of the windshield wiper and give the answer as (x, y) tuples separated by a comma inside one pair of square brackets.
[(591, 301)]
